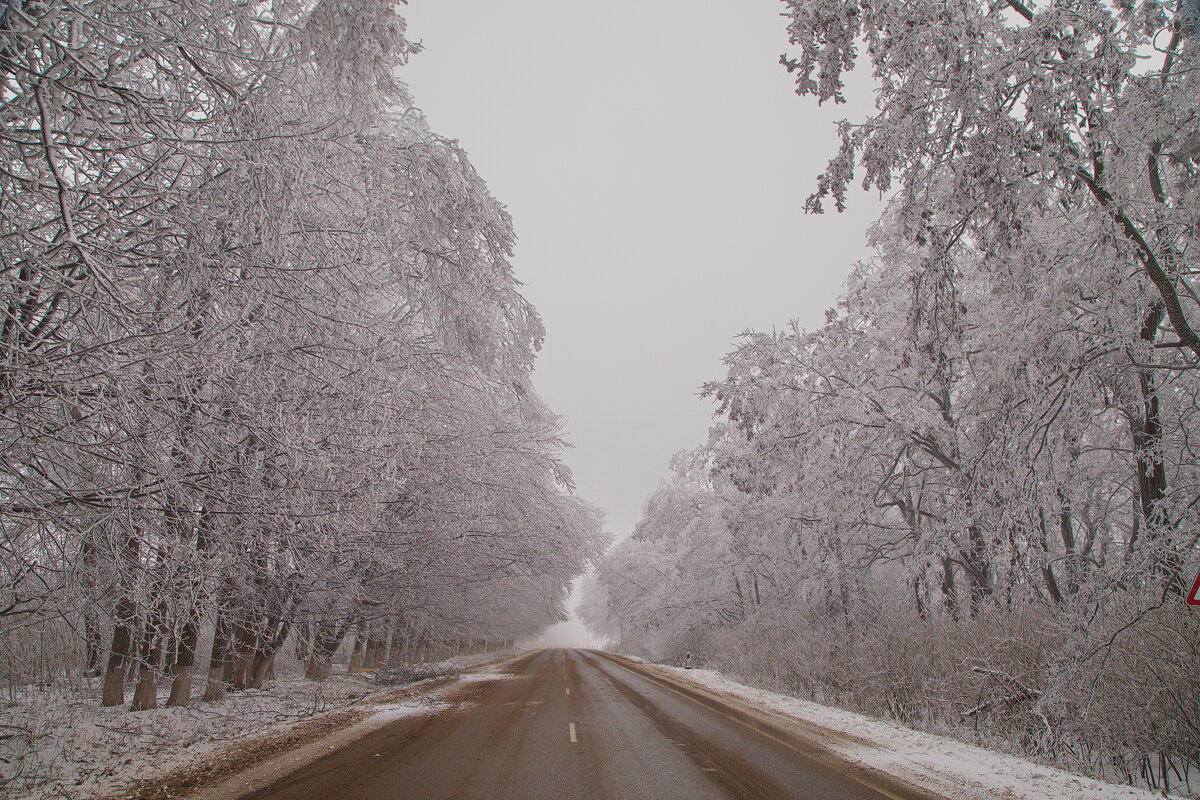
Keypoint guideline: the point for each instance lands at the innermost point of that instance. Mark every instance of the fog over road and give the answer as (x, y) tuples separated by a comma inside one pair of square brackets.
[(573, 724)]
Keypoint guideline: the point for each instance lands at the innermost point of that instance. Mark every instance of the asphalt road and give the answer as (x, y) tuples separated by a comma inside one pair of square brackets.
[(572, 724)]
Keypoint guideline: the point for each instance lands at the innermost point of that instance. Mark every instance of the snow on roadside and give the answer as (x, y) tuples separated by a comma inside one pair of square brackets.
[(390, 712), (57, 743), (69, 747), (479, 677), (946, 766)]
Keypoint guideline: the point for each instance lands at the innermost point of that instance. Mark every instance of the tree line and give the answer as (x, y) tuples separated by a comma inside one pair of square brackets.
[(264, 365), (970, 500)]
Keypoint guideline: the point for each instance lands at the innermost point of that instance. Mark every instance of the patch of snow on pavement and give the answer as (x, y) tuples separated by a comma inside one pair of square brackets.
[(480, 677), (945, 765), (414, 708)]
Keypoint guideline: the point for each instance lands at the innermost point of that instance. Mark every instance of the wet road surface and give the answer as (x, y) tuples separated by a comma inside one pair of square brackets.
[(569, 724)]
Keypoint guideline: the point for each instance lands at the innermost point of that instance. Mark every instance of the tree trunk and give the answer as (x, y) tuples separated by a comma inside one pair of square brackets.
[(320, 662), (145, 696), (261, 668), (356, 655), (303, 644), (978, 568), (215, 689), (326, 640), (386, 658), (91, 636), (239, 663), (170, 655), (1152, 484), (375, 653), (185, 660), (1049, 579), (319, 667), (122, 648), (240, 670), (1073, 564), (1151, 477), (949, 592), (92, 615)]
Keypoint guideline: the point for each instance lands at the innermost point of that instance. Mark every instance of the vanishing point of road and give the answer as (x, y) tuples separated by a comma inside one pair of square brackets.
[(566, 724)]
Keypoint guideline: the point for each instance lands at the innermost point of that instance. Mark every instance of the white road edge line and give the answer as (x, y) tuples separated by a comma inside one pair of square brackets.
[(571, 726)]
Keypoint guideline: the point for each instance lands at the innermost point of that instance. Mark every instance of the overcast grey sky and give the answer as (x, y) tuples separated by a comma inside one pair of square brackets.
[(655, 160)]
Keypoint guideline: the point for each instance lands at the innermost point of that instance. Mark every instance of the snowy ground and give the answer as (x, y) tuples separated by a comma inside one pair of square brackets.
[(944, 765), (60, 744)]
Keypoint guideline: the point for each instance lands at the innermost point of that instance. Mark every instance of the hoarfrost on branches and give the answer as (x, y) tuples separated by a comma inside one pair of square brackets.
[(264, 364), (969, 500)]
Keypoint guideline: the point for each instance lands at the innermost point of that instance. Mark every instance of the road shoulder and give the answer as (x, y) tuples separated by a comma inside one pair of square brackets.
[(816, 743), (247, 765), (894, 759)]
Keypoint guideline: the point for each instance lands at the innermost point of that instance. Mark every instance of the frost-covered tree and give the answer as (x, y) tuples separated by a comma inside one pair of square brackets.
[(969, 499), (266, 366), (1000, 112)]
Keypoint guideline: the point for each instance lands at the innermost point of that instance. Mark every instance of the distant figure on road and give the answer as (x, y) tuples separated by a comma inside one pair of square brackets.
[(687, 661)]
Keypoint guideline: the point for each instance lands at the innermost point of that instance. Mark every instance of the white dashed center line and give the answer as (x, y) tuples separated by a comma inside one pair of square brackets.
[(571, 725)]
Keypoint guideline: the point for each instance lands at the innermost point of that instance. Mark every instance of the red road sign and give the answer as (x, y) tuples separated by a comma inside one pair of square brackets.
[(1193, 597)]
